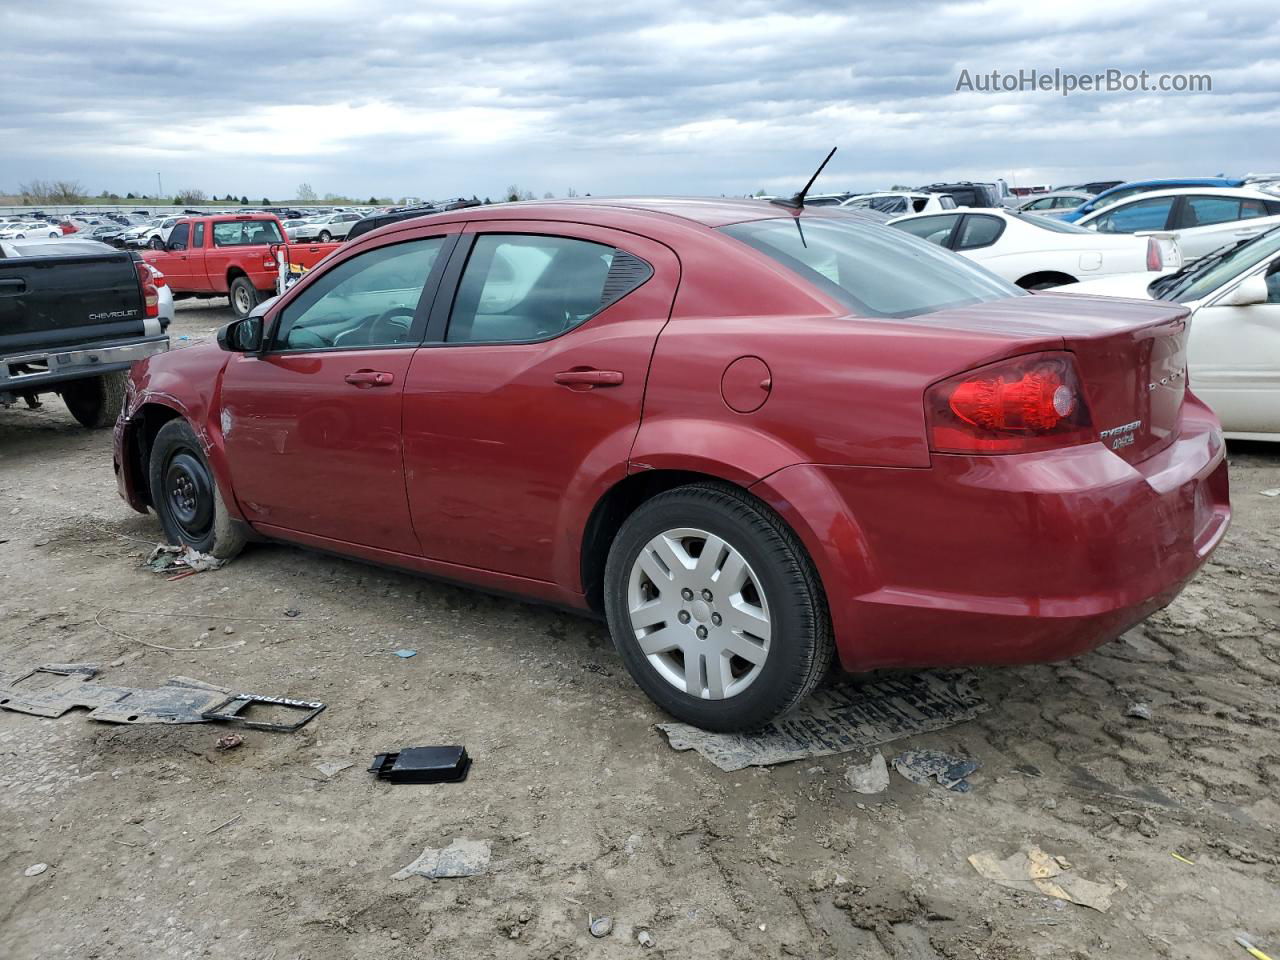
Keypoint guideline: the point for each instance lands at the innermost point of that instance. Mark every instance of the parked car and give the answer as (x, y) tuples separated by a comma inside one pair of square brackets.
[(291, 227), (826, 199), (1093, 187), (1055, 204), (1234, 350), (626, 406), (1037, 253), (1203, 218), (24, 229), (106, 233), (227, 255), (74, 314), (153, 234), (967, 194), (896, 203), (1126, 190), (324, 228)]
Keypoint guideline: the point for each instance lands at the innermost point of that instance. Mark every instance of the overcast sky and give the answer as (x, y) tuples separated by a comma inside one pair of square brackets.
[(444, 98)]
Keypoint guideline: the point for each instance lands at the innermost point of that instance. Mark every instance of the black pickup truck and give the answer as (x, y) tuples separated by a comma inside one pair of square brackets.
[(74, 315)]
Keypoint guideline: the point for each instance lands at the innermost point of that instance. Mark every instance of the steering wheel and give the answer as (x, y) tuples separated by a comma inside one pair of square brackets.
[(392, 326)]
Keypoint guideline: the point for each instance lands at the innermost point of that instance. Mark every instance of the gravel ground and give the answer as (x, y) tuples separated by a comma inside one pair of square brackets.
[(588, 810)]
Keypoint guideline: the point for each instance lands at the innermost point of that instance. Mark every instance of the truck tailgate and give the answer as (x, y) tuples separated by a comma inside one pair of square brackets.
[(63, 296)]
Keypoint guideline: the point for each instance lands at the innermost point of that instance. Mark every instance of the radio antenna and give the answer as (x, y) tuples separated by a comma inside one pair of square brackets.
[(797, 202)]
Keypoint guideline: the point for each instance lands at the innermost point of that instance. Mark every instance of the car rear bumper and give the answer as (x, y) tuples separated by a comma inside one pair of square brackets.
[(40, 369), (1007, 559)]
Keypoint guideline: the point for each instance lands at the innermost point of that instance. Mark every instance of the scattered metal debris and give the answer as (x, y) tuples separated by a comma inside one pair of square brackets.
[(180, 700), (921, 766), (852, 716), (35, 870), (167, 558), (231, 710), (462, 858), (1140, 710), (1034, 871), (423, 765), (331, 767), (870, 777), (601, 926), (230, 741), (226, 823)]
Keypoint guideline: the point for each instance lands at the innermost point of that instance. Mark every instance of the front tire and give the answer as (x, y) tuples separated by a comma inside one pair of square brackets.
[(156, 243), (186, 495), (716, 608), (325, 236), (96, 401), (243, 295)]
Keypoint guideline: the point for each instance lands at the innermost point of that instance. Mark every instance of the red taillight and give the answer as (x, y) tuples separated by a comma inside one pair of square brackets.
[(1154, 260), (150, 292), (1013, 406)]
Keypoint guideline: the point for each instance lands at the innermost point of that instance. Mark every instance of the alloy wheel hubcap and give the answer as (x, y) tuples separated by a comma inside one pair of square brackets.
[(242, 300), (699, 613)]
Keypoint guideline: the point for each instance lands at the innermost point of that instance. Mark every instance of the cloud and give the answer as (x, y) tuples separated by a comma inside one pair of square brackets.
[(655, 97)]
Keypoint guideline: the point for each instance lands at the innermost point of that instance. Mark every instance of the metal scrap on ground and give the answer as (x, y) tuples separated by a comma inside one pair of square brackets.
[(851, 716), (166, 559), (180, 700), (1034, 871), (921, 766), (462, 858)]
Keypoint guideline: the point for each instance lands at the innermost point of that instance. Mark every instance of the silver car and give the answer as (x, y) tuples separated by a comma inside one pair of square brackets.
[(329, 226), (1056, 204)]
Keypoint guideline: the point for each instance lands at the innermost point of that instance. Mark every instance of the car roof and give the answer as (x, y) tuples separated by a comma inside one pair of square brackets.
[(1249, 193), (1176, 181)]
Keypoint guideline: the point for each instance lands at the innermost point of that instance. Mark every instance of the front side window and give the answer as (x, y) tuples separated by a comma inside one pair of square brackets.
[(934, 229), (178, 238), (240, 233), (1040, 204), (369, 300), (1206, 211), (873, 270), (523, 288), (1150, 214)]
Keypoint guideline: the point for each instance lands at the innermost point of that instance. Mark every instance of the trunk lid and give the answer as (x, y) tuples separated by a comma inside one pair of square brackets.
[(1131, 356)]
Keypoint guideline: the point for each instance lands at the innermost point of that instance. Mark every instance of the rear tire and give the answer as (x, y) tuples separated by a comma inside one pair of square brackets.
[(96, 401), (186, 494), (244, 296), (325, 236), (155, 243), (765, 632)]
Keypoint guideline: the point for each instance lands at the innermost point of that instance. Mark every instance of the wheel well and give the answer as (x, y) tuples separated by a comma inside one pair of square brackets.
[(607, 518), (232, 274), (1054, 277), (152, 417)]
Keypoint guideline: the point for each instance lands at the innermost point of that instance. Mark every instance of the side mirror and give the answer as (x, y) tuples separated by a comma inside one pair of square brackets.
[(1247, 292), (241, 336)]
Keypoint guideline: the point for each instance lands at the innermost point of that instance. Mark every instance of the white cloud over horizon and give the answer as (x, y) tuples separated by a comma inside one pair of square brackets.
[(655, 97)]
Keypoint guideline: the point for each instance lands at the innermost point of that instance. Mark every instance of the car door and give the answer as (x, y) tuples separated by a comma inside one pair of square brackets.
[(530, 384), (1234, 356), (197, 259), (177, 262), (311, 426), (1206, 222)]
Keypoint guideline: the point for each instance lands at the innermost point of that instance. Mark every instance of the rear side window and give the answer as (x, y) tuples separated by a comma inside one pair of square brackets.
[(519, 288), (872, 269), (934, 229), (239, 233), (1206, 211), (197, 238), (947, 201), (980, 232)]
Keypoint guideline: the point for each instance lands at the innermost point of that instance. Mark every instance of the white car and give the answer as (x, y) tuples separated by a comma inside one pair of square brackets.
[(327, 227), (1234, 348), (291, 227), (29, 228), (154, 233), (1203, 218), (1036, 252), (896, 203)]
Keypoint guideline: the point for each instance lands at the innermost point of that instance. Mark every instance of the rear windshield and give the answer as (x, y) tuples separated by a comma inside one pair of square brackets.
[(874, 270), (1049, 223), (239, 233)]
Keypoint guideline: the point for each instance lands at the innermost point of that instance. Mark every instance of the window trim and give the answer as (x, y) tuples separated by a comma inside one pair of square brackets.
[(421, 315), (451, 284)]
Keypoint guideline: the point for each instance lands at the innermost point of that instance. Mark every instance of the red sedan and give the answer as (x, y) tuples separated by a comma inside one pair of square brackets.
[(751, 437)]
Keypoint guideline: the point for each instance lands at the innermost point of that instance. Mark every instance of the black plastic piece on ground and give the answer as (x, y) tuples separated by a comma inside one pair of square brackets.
[(423, 765)]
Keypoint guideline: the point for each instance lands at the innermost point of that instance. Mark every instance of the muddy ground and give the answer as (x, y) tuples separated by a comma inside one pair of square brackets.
[(588, 809)]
